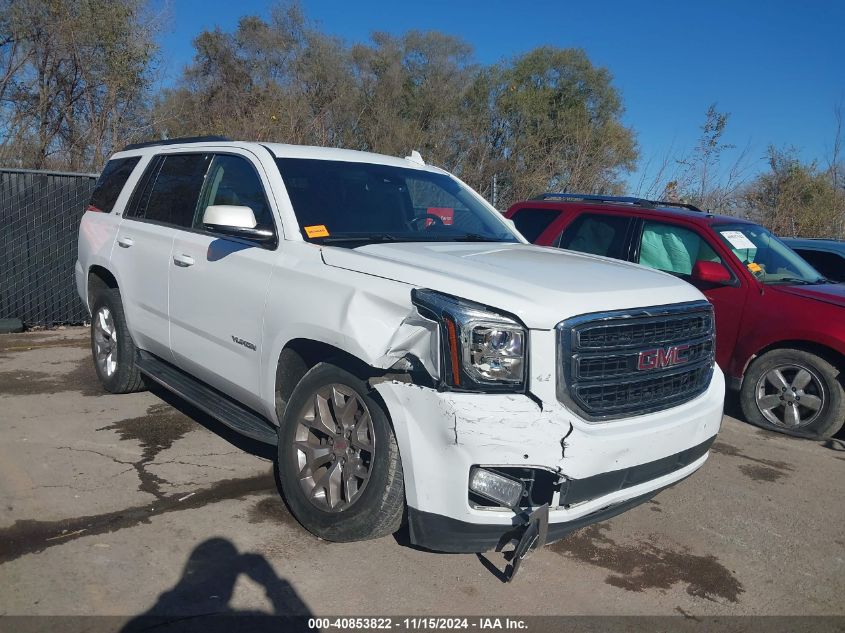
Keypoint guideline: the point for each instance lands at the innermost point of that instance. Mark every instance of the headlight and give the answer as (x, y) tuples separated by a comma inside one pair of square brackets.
[(481, 350)]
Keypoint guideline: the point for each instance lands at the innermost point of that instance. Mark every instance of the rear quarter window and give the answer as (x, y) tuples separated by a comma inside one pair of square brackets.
[(532, 222), (111, 182)]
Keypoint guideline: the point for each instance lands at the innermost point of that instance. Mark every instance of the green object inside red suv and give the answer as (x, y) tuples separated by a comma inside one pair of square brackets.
[(780, 323)]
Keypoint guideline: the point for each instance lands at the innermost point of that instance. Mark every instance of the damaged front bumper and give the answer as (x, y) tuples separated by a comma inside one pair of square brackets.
[(600, 469)]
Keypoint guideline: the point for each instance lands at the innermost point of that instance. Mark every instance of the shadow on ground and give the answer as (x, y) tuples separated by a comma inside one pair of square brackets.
[(201, 599)]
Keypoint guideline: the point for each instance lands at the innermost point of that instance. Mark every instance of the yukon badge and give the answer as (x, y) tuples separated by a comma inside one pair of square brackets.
[(246, 344), (661, 358)]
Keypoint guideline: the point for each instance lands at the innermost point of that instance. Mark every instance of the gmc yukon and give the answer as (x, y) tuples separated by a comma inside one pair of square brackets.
[(410, 355)]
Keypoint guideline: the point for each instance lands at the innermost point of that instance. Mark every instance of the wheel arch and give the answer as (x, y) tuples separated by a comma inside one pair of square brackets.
[(301, 354), (99, 277), (833, 356)]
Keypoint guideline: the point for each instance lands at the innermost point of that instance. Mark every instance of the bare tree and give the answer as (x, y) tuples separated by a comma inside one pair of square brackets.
[(75, 75), (702, 176)]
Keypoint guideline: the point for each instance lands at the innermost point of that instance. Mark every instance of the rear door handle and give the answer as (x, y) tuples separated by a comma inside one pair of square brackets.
[(125, 241), (183, 260)]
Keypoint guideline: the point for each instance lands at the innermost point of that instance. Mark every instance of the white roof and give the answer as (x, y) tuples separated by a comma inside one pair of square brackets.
[(284, 150)]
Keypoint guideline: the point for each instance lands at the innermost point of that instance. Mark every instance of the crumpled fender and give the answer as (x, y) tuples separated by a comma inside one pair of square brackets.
[(369, 317)]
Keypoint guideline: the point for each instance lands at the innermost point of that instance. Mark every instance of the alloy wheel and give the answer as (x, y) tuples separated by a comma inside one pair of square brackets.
[(105, 342), (334, 448), (790, 396)]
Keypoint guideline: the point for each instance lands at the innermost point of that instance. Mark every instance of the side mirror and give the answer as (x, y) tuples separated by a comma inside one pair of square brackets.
[(711, 273), (234, 221)]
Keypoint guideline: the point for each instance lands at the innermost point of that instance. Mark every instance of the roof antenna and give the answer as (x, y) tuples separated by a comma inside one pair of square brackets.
[(415, 158)]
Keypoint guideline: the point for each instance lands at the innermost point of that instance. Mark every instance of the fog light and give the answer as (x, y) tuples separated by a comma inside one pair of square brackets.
[(495, 487)]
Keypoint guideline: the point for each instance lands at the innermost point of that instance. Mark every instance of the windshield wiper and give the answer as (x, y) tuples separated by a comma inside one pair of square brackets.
[(363, 237), (793, 280), (475, 237)]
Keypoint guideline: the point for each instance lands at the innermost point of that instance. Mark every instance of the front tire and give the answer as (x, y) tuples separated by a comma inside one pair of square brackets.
[(112, 346), (794, 392), (339, 464)]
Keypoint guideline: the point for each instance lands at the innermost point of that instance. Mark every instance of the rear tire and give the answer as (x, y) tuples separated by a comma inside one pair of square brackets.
[(338, 461), (111, 345), (794, 392)]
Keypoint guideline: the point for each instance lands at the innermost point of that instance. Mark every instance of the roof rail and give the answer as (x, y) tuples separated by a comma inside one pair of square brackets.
[(639, 202), (176, 141), (589, 197), (683, 205)]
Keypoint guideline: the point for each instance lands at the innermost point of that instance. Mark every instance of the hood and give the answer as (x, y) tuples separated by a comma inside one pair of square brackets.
[(829, 293), (542, 286)]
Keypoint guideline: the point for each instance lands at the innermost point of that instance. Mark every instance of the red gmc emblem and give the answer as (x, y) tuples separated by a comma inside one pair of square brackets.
[(661, 358)]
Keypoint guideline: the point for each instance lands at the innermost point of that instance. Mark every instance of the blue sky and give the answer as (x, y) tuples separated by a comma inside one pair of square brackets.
[(777, 67)]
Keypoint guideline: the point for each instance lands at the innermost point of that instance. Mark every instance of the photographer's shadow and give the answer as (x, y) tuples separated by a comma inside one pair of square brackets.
[(201, 597)]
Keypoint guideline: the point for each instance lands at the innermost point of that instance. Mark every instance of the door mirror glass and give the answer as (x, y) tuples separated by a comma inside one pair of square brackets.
[(234, 221), (710, 273)]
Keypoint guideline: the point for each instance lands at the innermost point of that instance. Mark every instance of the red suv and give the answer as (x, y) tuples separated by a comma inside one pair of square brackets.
[(780, 324)]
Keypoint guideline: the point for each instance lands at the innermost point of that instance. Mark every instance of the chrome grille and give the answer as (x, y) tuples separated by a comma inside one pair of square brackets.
[(604, 335), (630, 362)]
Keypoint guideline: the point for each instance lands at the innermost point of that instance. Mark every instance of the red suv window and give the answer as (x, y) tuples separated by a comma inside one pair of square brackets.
[(597, 234), (673, 249), (532, 222)]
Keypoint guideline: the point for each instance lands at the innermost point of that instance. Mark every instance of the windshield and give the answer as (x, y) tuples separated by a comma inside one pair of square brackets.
[(353, 203), (769, 260)]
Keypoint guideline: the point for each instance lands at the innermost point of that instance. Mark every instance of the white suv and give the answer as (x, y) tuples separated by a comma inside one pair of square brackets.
[(410, 355)]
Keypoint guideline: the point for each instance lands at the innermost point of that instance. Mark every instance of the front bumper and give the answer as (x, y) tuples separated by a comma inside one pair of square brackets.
[(610, 466), (445, 534)]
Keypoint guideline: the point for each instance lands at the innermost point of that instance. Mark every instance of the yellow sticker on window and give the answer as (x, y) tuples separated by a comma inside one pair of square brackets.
[(318, 230), (754, 268)]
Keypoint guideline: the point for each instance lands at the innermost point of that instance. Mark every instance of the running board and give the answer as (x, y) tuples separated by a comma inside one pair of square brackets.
[(234, 415)]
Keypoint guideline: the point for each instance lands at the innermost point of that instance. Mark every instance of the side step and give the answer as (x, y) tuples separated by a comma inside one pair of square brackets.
[(234, 415)]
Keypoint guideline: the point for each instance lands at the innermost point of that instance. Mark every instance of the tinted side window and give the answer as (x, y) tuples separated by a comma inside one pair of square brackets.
[(830, 265), (673, 249), (138, 202), (232, 180), (176, 189), (110, 183), (532, 222), (597, 234)]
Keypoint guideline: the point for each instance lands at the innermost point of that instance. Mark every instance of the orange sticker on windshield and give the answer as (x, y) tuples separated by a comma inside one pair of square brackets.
[(318, 230), (754, 268)]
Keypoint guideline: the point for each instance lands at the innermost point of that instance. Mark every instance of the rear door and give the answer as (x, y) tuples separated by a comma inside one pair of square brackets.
[(675, 249), (164, 199), (218, 284), (604, 234)]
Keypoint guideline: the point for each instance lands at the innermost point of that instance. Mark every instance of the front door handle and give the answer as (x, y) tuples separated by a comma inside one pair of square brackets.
[(125, 241), (183, 260)]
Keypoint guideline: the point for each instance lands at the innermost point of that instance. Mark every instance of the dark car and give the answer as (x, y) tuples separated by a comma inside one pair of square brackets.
[(826, 256), (780, 324)]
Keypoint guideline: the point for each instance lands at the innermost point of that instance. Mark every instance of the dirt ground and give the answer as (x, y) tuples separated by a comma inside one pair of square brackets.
[(135, 504)]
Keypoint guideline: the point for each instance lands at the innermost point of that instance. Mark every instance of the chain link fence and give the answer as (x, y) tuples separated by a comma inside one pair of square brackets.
[(40, 213)]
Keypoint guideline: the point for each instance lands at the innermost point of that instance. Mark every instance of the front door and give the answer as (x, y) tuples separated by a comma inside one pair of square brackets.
[(675, 249), (218, 285)]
